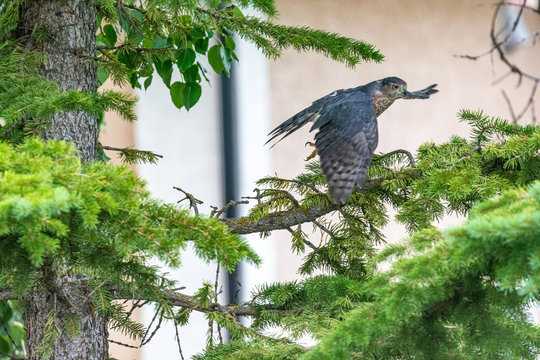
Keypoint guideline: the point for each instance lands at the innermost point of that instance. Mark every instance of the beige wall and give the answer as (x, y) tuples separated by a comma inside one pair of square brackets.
[(118, 133), (419, 40)]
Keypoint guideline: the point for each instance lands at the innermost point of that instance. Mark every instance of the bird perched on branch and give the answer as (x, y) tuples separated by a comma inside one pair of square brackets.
[(348, 134)]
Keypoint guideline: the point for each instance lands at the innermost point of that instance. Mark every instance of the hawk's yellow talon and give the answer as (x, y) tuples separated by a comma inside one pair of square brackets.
[(312, 155)]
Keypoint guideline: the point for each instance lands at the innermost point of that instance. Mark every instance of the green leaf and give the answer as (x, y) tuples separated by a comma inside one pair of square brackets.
[(101, 154), (134, 80), (110, 34), (196, 34), (214, 58), (128, 58), (237, 13), (6, 312), (177, 95), (165, 70), (160, 42), (147, 82), (192, 74), (192, 93), (102, 74), (229, 43), (4, 345), (148, 43), (201, 45), (227, 59), (185, 59), (100, 40)]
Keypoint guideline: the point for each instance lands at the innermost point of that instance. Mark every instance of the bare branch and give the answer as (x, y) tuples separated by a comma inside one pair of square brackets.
[(144, 340), (123, 344), (178, 341), (497, 45), (530, 103), (280, 220), (217, 213), (510, 108), (193, 201), (412, 161)]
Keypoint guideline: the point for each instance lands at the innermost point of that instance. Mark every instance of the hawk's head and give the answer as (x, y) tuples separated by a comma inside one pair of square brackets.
[(392, 88)]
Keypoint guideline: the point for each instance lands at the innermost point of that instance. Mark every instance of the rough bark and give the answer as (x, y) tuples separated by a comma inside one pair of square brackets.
[(65, 32), (61, 321), (59, 317), (278, 220)]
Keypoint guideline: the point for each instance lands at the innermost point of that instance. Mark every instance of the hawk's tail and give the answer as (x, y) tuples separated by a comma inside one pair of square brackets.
[(293, 124)]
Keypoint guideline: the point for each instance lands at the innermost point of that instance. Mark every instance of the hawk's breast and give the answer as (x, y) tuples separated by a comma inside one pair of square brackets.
[(381, 102)]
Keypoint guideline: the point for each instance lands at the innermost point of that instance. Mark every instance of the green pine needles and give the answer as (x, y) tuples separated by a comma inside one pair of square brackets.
[(461, 294), (28, 100), (95, 219)]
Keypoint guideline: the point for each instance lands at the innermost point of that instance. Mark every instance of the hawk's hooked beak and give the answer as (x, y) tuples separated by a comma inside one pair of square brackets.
[(420, 94)]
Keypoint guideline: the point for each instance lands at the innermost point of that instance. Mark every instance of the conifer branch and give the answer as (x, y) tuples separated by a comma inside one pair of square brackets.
[(186, 301), (281, 220), (123, 344), (130, 155), (193, 201), (176, 299)]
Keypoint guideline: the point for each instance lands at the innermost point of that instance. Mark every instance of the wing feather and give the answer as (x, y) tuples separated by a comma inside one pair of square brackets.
[(346, 143), (310, 114)]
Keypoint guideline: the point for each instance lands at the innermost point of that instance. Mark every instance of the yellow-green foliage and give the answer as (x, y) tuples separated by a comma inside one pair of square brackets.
[(460, 294), (96, 219)]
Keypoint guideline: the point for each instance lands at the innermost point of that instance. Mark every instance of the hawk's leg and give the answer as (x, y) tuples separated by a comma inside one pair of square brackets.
[(314, 153)]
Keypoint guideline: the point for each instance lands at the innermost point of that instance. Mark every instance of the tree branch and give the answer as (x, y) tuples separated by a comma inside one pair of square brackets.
[(497, 48), (175, 299), (7, 294), (280, 220)]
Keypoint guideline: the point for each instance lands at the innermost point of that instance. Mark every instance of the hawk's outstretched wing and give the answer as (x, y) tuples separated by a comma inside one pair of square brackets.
[(309, 114), (346, 141)]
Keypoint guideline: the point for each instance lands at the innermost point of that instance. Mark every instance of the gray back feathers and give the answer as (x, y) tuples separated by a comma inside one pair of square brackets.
[(348, 135)]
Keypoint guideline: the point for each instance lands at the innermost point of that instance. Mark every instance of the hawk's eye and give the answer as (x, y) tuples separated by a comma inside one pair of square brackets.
[(395, 87)]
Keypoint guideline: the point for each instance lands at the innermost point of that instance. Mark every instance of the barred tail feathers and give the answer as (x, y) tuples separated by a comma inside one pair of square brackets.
[(292, 124)]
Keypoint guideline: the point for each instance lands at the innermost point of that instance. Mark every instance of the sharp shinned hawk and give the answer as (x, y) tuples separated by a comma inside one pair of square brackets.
[(348, 134)]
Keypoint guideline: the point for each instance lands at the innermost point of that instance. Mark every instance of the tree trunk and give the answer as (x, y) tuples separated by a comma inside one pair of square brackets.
[(60, 319), (65, 32)]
